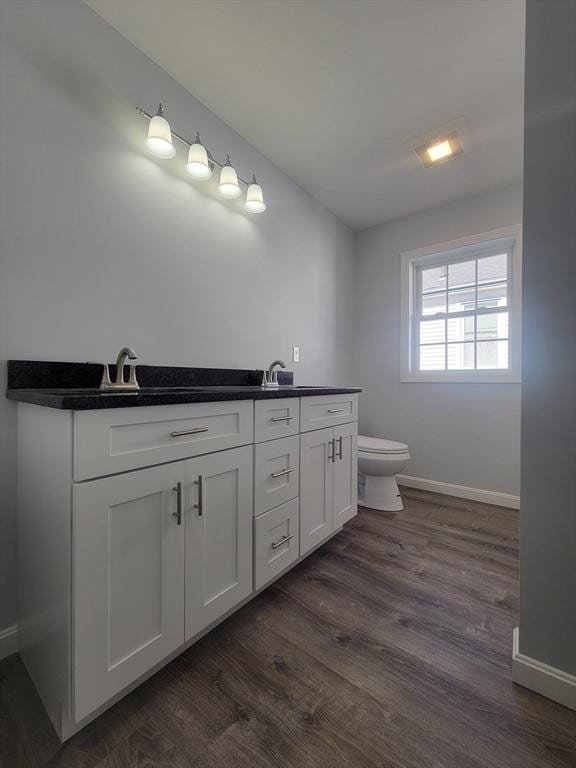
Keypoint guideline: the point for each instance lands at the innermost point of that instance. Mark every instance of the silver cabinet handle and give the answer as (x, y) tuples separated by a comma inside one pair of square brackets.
[(200, 505), (178, 513), (339, 456), (281, 418), (283, 540), (336, 410), (283, 472), (183, 432), (331, 451)]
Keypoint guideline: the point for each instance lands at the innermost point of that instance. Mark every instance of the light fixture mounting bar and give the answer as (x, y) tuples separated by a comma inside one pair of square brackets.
[(187, 143)]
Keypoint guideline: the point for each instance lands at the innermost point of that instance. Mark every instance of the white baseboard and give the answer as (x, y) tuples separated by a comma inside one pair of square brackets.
[(545, 680), (8, 641), (461, 491)]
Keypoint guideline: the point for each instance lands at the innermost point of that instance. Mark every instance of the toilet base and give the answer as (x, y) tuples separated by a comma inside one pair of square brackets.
[(382, 493)]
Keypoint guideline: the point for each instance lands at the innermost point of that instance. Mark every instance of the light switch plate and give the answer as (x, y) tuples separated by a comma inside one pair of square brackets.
[(295, 354)]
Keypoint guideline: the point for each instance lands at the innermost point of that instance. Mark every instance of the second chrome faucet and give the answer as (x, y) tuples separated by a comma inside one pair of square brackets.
[(126, 353), (270, 377)]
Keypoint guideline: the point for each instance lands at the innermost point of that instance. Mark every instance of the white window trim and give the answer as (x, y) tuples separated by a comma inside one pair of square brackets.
[(410, 259)]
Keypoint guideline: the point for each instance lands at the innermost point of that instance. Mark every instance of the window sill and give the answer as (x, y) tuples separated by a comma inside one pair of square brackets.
[(460, 377)]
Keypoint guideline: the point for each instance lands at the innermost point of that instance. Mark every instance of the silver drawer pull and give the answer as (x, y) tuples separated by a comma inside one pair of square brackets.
[(194, 431), (281, 418), (283, 472), (283, 540), (336, 410)]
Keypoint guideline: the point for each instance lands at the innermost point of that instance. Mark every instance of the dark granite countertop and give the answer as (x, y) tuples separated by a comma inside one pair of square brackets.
[(74, 386)]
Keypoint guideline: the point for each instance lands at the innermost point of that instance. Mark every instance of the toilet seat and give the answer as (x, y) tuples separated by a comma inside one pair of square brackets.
[(378, 445)]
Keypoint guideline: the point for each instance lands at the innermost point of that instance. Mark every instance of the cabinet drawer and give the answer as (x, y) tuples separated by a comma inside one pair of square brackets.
[(276, 472), (275, 542), (276, 418), (329, 411), (107, 442)]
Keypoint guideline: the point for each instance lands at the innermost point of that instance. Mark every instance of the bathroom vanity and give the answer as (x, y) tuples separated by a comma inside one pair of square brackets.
[(145, 518)]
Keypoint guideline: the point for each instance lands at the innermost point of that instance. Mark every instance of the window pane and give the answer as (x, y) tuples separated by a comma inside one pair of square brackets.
[(433, 304), (432, 331), (492, 326), (492, 354), (461, 328), (461, 274), (462, 299), (461, 357), (493, 295), (492, 268), (433, 279), (433, 358)]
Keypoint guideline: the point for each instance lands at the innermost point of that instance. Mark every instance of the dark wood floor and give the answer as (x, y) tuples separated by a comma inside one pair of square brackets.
[(389, 647)]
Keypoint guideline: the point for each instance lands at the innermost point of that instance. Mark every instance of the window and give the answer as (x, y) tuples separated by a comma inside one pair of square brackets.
[(461, 317)]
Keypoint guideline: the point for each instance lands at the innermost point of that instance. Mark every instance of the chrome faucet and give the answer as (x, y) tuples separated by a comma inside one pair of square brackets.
[(270, 377), (126, 353)]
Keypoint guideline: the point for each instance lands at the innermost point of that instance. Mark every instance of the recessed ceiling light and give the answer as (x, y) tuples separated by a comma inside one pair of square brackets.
[(441, 149)]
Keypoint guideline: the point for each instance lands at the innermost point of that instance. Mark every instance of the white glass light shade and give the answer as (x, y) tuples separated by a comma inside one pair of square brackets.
[(254, 202), (198, 165), (160, 138), (229, 186)]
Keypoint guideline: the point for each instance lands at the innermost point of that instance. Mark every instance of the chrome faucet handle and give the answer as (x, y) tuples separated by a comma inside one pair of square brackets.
[(105, 382), (132, 377)]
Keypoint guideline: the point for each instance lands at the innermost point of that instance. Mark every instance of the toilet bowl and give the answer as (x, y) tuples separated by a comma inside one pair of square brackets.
[(379, 461)]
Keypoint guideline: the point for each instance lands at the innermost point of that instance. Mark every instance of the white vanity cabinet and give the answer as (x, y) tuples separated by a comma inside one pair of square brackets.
[(140, 528)]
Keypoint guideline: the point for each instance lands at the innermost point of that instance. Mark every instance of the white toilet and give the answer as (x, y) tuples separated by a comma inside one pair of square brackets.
[(379, 461)]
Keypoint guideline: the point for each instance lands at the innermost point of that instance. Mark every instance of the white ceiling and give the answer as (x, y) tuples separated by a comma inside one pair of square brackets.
[(332, 90)]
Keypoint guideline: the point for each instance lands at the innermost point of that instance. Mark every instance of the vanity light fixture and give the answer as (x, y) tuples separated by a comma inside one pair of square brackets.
[(229, 187), (160, 136), (201, 163)]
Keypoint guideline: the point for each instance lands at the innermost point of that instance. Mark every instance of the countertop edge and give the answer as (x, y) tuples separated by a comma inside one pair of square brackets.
[(75, 402)]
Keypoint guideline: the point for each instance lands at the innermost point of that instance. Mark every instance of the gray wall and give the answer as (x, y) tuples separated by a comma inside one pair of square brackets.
[(103, 246), (548, 520), (467, 434)]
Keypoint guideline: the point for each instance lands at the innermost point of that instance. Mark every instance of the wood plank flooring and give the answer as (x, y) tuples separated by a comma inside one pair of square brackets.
[(388, 648)]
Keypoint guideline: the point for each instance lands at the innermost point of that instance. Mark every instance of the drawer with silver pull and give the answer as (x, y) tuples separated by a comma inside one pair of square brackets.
[(278, 417), (276, 472), (328, 411), (276, 541), (121, 439)]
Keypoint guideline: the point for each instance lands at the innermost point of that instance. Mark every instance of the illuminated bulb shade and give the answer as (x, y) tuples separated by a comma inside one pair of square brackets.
[(254, 202), (160, 136), (198, 165), (229, 186)]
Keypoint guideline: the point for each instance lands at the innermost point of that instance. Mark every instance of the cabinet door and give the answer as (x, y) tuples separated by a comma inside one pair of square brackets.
[(316, 451), (218, 535), (128, 580), (344, 474)]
